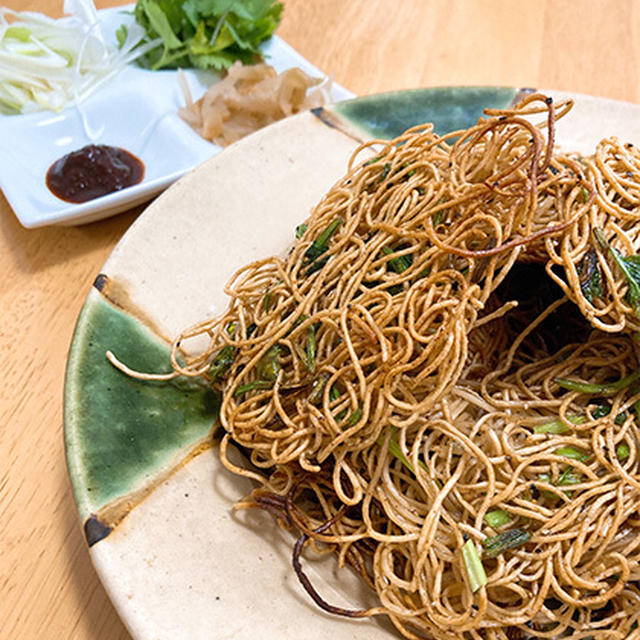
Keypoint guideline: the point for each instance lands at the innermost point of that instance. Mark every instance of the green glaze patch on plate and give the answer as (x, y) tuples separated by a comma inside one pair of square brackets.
[(121, 431), (449, 108)]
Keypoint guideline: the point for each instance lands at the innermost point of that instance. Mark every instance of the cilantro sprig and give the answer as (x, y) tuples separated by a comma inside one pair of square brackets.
[(206, 34)]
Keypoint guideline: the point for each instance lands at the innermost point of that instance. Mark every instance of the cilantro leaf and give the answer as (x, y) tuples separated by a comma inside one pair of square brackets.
[(630, 267)]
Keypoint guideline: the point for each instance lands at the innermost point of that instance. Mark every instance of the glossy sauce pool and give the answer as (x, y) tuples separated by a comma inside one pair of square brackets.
[(92, 172)]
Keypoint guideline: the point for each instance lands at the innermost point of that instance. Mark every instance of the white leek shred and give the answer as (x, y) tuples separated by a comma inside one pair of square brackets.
[(47, 64)]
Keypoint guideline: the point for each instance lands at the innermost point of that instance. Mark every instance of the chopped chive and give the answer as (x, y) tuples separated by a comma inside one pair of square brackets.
[(568, 477), (623, 451), (396, 451), (252, 386), (585, 194), (620, 418), (310, 349), (472, 563), (317, 389), (319, 245), (511, 539), (316, 265), (574, 454), (557, 426), (497, 518), (354, 417), (221, 363), (603, 389), (268, 366), (601, 411), (386, 168), (300, 229), (438, 217), (400, 263)]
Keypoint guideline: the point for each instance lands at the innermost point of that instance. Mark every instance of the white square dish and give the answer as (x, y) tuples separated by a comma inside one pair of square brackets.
[(137, 110)]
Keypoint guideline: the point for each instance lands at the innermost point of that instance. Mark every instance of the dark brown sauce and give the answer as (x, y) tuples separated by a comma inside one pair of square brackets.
[(93, 171)]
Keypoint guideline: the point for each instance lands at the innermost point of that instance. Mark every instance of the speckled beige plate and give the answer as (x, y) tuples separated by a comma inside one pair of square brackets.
[(153, 497)]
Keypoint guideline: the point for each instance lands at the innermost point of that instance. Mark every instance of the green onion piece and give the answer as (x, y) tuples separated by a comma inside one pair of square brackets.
[(497, 518), (269, 365), (386, 167), (557, 426), (267, 301), (310, 349), (317, 389), (603, 389), (511, 539), (438, 217), (630, 267), (300, 229), (252, 386), (400, 263), (221, 363), (319, 245), (601, 411), (316, 265), (585, 194), (251, 329), (574, 454), (354, 417), (620, 418), (623, 451), (568, 477), (396, 451), (472, 563), (334, 393)]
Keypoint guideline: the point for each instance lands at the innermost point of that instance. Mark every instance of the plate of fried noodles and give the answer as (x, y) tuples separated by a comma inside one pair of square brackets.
[(375, 379)]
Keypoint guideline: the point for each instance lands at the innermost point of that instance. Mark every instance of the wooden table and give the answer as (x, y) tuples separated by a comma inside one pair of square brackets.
[(48, 588)]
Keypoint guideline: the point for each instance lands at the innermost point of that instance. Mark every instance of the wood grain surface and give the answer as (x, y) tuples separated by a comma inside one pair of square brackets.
[(48, 588)]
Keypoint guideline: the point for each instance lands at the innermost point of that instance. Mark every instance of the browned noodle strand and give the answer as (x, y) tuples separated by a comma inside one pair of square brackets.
[(398, 403)]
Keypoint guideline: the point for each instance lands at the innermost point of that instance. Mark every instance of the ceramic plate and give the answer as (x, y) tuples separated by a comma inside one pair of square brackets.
[(151, 130), (150, 490)]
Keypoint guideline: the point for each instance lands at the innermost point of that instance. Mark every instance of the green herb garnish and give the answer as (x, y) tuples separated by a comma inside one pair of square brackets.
[(623, 451), (511, 539), (221, 363), (472, 563), (630, 267), (557, 426), (206, 34), (574, 454), (497, 518), (400, 263), (268, 366), (253, 386), (601, 389), (310, 349)]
